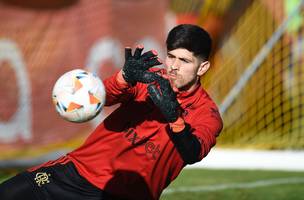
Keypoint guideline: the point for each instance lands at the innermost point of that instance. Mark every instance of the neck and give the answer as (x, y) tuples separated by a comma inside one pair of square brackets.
[(191, 86)]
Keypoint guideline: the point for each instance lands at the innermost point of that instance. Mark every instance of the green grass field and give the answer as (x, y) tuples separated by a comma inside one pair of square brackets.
[(4, 174), (205, 184), (197, 184)]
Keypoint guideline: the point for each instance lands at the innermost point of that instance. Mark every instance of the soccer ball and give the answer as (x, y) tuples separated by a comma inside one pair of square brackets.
[(78, 95)]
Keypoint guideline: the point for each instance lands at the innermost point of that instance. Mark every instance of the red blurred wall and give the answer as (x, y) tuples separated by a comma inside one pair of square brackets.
[(37, 45)]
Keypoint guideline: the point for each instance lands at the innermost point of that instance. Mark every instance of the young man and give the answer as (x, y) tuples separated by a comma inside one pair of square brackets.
[(166, 120)]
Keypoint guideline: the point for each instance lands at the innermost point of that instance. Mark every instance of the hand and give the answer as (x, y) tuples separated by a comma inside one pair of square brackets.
[(165, 99), (136, 67)]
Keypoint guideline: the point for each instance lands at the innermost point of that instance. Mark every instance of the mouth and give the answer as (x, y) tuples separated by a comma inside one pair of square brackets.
[(172, 75)]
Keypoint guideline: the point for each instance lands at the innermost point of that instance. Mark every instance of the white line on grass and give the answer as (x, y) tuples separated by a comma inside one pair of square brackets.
[(284, 160), (254, 184)]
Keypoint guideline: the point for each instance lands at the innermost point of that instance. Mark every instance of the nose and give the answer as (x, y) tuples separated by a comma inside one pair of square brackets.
[(175, 64), (174, 67)]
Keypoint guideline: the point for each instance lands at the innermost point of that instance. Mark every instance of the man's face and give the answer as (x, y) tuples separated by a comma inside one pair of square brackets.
[(184, 69)]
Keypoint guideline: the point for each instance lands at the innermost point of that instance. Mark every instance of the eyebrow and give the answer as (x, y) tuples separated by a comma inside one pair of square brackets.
[(181, 58)]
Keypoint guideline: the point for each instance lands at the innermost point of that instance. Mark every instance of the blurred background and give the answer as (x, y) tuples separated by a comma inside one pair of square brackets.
[(256, 78)]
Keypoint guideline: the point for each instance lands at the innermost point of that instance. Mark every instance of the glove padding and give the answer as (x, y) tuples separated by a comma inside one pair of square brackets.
[(165, 99), (136, 67)]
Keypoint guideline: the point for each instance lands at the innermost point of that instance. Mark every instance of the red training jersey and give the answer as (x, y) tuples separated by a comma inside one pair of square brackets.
[(130, 154)]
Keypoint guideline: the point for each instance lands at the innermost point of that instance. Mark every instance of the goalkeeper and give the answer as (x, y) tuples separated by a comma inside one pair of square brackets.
[(165, 121)]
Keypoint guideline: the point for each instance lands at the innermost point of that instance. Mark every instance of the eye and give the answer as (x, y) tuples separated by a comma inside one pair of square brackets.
[(170, 56), (185, 60)]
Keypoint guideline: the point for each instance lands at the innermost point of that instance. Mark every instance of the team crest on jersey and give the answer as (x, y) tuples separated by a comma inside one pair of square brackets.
[(42, 178)]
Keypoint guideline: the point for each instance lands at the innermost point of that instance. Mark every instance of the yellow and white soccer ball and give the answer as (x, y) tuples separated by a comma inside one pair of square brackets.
[(78, 95)]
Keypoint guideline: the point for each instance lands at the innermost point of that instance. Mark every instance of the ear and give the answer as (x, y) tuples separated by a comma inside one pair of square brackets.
[(203, 68)]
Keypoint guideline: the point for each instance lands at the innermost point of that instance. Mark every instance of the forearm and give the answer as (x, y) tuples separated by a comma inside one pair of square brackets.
[(185, 142), (117, 89)]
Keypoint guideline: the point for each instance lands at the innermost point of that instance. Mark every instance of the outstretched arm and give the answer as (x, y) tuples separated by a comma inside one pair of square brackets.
[(120, 87), (192, 143)]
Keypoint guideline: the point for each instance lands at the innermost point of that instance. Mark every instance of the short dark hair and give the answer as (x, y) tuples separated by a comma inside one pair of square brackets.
[(190, 37)]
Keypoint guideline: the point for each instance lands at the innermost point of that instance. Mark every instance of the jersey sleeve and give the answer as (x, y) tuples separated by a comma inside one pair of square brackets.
[(206, 127), (117, 90)]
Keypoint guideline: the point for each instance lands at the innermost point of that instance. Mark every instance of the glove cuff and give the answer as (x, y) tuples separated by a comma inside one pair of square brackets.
[(178, 125), (121, 81)]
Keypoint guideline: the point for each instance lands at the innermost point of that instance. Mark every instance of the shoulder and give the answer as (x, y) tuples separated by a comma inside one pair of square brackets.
[(207, 107)]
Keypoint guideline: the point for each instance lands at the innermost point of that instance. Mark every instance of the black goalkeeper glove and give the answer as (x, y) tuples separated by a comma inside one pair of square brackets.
[(136, 67), (165, 99)]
